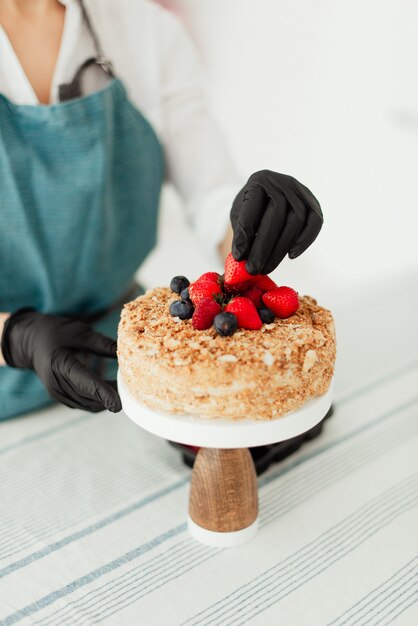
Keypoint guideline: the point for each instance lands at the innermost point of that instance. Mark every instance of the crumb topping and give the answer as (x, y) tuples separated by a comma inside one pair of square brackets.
[(157, 332)]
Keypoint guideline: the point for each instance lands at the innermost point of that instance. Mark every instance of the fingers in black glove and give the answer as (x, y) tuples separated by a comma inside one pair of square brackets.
[(252, 201), (79, 387), (273, 215), (261, 247), (307, 235), (288, 234), (51, 346), (89, 340)]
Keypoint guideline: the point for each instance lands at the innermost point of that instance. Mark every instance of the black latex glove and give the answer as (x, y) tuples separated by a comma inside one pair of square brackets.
[(273, 215), (51, 345)]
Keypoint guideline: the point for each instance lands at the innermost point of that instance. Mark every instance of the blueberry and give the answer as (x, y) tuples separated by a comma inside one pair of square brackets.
[(178, 283), (182, 309), (225, 323), (267, 316), (185, 294)]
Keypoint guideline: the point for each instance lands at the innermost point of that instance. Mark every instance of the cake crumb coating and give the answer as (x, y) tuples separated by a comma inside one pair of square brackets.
[(262, 374)]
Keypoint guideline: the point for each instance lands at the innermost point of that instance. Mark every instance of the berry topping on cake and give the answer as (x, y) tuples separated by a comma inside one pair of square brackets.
[(182, 309), (254, 294), (235, 272), (204, 313), (245, 312), (265, 283), (225, 323), (212, 277), (236, 299), (267, 316), (283, 301), (202, 290), (178, 283), (236, 289), (185, 294)]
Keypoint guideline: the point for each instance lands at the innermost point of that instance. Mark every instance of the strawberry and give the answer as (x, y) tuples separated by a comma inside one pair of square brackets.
[(265, 283), (245, 312), (203, 289), (283, 301), (254, 294), (204, 314), (235, 272), (212, 277), (237, 288)]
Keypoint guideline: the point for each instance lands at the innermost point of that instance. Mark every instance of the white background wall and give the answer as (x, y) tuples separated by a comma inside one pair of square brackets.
[(326, 90)]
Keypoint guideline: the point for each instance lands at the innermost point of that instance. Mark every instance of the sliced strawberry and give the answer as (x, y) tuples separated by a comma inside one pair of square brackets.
[(235, 272), (283, 301), (212, 277), (204, 313), (265, 283), (245, 312), (254, 294), (203, 289)]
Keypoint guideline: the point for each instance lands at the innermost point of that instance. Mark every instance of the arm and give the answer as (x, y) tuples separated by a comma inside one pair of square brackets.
[(199, 162), (272, 215)]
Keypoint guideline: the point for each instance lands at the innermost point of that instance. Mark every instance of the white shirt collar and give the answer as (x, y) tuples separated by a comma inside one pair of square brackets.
[(76, 46)]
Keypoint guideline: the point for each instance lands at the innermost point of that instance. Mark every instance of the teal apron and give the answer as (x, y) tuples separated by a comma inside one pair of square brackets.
[(80, 184)]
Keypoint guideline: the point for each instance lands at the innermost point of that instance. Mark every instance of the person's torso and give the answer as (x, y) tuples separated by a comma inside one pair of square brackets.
[(133, 34), (79, 194)]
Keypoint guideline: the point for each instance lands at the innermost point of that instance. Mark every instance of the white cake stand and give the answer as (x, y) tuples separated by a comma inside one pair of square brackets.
[(223, 500)]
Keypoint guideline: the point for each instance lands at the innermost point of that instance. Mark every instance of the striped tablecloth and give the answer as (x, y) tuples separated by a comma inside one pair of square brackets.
[(93, 510)]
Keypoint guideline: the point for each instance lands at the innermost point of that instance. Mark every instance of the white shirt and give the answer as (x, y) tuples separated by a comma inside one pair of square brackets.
[(152, 54)]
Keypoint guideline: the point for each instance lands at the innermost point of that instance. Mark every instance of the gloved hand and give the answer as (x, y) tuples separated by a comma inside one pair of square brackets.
[(273, 215), (49, 345)]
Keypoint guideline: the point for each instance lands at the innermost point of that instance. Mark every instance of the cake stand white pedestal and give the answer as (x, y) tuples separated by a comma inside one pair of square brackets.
[(223, 500)]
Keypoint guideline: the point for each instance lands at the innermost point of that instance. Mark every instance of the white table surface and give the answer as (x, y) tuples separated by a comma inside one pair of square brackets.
[(93, 509)]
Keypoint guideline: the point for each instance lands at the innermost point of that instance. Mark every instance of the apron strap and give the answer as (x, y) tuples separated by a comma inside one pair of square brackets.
[(71, 90)]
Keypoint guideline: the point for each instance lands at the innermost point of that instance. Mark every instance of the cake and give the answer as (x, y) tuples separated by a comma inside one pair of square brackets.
[(171, 366)]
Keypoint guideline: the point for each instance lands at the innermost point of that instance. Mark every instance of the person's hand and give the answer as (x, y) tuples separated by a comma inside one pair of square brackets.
[(51, 345), (273, 215)]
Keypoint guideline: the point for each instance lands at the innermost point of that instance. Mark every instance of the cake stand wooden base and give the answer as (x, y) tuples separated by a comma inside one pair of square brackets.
[(223, 500)]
